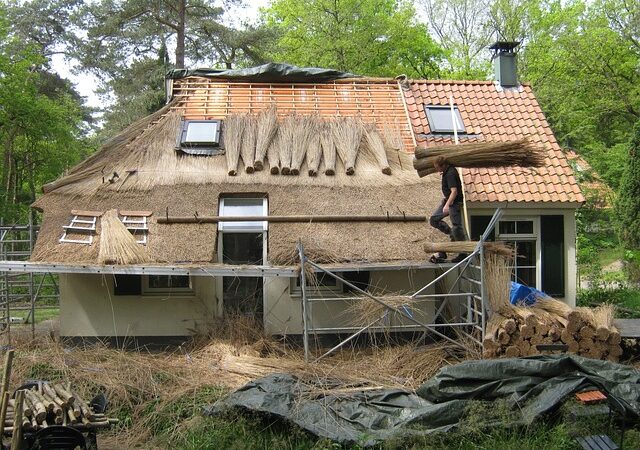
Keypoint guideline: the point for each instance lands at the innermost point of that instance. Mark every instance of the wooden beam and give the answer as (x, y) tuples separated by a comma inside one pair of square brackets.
[(293, 219)]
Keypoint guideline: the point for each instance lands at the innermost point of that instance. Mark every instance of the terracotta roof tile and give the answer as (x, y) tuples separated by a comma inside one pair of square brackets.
[(499, 116)]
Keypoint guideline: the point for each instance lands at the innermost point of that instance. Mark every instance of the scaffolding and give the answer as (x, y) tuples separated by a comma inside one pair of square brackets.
[(468, 287), (20, 291)]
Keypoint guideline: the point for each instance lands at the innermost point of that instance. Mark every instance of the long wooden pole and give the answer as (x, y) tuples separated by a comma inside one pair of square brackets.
[(16, 438), (291, 219)]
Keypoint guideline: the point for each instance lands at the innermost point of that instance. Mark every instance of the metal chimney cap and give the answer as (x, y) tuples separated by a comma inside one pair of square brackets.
[(504, 46)]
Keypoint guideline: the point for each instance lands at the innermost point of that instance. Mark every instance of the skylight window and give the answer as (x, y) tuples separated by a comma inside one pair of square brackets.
[(201, 137), (441, 120)]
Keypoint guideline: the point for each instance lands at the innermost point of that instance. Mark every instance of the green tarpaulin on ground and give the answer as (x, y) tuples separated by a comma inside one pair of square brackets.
[(531, 387), (266, 73)]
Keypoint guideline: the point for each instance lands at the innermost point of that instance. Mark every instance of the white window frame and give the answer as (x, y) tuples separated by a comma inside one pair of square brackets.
[(148, 290), (295, 289), (534, 236), (256, 227), (456, 113)]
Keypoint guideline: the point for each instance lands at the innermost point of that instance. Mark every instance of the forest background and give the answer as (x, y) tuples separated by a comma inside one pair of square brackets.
[(582, 59)]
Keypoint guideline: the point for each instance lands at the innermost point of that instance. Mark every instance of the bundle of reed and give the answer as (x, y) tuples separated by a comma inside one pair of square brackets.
[(50, 404), (365, 310), (248, 146), (306, 128), (314, 155), (481, 154), (497, 279), (392, 137), (328, 146), (266, 128), (286, 131), (273, 153), (376, 147), (233, 130), (117, 244), (467, 247), (518, 330), (347, 134)]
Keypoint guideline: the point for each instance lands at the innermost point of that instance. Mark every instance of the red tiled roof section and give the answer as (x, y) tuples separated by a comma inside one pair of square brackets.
[(492, 115), (377, 101)]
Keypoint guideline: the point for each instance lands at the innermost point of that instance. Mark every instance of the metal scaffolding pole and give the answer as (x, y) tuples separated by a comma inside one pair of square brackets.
[(303, 288)]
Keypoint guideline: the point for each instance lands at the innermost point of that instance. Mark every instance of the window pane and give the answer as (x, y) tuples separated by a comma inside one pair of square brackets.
[(127, 285), (526, 277), (525, 227), (202, 132), (507, 227), (242, 248), (440, 119), (168, 281), (242, 207), (526, 253)]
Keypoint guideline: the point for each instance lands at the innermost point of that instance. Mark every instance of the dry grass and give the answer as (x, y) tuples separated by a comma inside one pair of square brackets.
[(482, 154), (248, 145), (266, 129), (365, 310), (347, 134), (498, 281), (328, 146), (233, 129), (305, 129), (117, 244), (467, 247), (377, 149), (140, 383)]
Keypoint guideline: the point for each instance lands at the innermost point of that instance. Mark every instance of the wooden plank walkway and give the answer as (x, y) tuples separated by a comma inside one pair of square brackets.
[(629, 328)]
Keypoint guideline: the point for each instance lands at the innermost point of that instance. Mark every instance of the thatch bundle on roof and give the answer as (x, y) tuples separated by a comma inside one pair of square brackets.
[(248, 144), (347, 134), (328, 146), (305, 129), (117, 244), (481, 154), (376, 146), (266, 129), (234, 129)]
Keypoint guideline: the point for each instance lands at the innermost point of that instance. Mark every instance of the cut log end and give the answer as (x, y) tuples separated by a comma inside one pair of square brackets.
[(386, 170)]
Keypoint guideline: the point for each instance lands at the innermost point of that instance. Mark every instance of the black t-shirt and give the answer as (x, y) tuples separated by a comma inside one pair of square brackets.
[(451, 179)]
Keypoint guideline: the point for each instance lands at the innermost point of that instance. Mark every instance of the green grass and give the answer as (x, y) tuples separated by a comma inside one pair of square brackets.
[(41, 314)]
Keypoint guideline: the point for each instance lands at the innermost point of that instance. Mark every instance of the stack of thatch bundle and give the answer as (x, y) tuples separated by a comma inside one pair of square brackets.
[(481, 154), (288, 143), (517, 330)]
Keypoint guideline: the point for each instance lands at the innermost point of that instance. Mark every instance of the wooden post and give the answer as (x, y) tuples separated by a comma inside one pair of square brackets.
[(16, 438), (6, 374), (303, 288), (3, 413)]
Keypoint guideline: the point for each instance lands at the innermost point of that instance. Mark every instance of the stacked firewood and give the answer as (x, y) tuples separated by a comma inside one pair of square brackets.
[(54, 404), (517, 330)]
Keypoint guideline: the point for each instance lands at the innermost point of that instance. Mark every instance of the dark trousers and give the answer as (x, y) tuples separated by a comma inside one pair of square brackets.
[(455, 231)]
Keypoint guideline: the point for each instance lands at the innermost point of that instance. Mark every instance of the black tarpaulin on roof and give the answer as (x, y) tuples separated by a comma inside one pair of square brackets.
[(266, 73), (531, 387)]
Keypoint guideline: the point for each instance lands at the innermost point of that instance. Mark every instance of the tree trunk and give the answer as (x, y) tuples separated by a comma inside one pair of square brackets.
[(182, 8)]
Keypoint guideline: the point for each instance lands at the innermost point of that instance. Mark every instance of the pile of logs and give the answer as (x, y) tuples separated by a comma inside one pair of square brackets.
[(518, 330), (54, 404), (44, 405)]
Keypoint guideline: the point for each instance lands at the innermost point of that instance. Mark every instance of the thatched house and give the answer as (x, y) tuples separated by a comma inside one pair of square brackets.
[(168, 178)]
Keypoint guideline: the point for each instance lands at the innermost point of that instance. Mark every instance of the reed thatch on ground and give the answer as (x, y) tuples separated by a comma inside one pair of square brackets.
[(117, 244), (497, 278), (233, 129), (266, 129), (521, 153)]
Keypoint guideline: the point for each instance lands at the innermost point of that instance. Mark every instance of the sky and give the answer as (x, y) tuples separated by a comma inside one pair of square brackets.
[(86, 83)]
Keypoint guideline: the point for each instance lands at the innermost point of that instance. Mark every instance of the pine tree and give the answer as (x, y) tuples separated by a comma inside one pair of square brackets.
[(628, 204)]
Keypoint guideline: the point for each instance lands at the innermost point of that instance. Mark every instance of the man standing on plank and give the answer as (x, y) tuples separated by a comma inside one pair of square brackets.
[(451, 206)]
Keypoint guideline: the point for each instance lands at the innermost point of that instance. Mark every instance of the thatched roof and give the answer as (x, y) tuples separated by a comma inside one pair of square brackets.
[(153, 176)]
